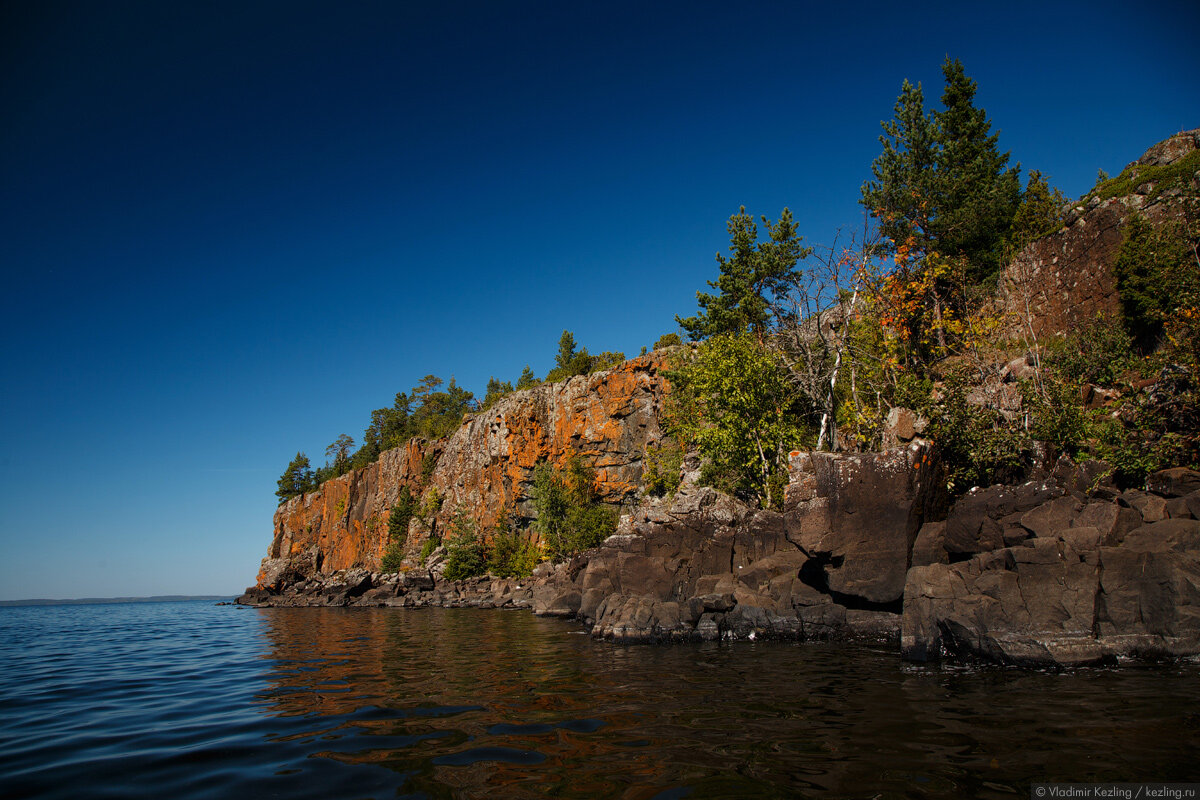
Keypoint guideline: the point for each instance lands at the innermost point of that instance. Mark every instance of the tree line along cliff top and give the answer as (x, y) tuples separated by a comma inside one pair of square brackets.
[(798, 347)]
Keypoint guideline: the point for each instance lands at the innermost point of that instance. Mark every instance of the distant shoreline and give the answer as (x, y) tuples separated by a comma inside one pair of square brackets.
[(88, 601)]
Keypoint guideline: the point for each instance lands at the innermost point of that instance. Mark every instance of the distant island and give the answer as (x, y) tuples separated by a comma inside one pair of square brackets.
[(87, 601)]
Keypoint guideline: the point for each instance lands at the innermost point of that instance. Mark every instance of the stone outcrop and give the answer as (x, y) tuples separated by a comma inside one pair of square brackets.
[(1043, 574), (1059, 572), (703, 566), (412, 589), (1064, 279), (486, 467)]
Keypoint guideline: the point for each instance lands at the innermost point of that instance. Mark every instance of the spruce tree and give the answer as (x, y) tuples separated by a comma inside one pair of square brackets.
[(977, 193), (941, 184), (901, 194)]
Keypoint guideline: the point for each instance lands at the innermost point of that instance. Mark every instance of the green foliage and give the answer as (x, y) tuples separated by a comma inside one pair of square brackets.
[(753, 275), (1039, 213), (1157, 275), (1058, 417), (428, 465), (527, 380), (1155, 428), (941, 184), (296, 479), (735, 404), (668, 340), (431, 544), (905, 183), (1097, 353), (466, 553), (339, 453), (913, 391), (511, 554), (431, 503), (439, 413), (1177, 175), (569, 515), (569, 362), (566, 351), (426, 411), (662, 471), (393, 557), (401, 515), (606, 360), (977, 445), (978, 194), (495, 390)]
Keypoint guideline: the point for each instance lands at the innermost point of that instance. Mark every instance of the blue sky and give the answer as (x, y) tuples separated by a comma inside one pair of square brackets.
[(230, 230)]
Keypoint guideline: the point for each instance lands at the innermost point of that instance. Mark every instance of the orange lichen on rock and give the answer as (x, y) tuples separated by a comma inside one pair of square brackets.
[(485, 467)]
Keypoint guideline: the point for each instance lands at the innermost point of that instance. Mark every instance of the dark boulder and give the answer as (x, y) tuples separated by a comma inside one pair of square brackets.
[(1175, 482), (1031, 606), (977, 522)]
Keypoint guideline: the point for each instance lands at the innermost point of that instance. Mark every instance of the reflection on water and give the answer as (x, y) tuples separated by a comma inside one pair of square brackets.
[(192, 701), (469, 703)]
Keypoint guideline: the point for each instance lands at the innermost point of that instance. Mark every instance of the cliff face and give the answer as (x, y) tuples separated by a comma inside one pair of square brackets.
[(1063, 570), (1063, 280), (607, 418), (344, 523), (485, 467)]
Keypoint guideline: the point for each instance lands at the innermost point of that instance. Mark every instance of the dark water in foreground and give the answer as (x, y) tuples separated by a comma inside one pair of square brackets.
[(191, 700)]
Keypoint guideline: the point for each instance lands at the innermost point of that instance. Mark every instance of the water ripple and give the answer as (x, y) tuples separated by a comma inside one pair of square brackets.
[(190, 700)]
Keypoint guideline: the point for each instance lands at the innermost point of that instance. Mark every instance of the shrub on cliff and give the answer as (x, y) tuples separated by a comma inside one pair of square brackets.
[(466, 554), (511, 554), (495, 390), (662, 465), (976, 445), (569, 515), (1158, 278), (733, 400), (527, 379), (401, 514), (569, 362), (668, 340), (1096, 353)]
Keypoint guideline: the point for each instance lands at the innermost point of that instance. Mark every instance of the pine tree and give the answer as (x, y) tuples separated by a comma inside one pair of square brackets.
[(339, 453), (296, 479), (566, 350), (527, 379), (755, 273)]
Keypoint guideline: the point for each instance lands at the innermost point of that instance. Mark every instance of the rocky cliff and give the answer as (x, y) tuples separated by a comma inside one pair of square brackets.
[(1063, 570), (1063, 280), (486, 467)]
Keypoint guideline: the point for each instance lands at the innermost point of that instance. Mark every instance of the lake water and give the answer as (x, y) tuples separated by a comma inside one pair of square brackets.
[(193, 700)]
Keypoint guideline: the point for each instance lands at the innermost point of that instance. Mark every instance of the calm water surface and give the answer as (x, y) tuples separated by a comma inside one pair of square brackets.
[(192, 700)]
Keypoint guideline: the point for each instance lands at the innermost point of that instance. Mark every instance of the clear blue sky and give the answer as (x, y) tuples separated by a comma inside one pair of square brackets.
[(229, 230)]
